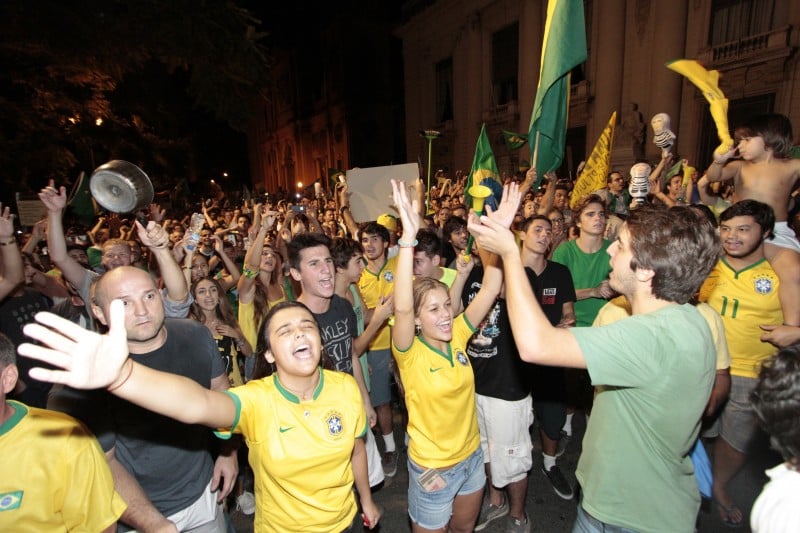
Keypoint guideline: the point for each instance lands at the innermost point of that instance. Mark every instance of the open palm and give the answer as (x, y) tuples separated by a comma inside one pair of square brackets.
[(88, 360)]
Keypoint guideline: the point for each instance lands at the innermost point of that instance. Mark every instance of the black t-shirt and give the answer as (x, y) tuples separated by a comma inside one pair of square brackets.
[(338, 327), (15, 312), (499, 372), (552, 288)]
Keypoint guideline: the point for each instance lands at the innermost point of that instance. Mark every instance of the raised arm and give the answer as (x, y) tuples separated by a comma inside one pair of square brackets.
[(246, 284), (56, 201), (722, 168), (404, 326), (12, 260), (37, 236), (549, 193), (349, 222), (538, 341), (92, 361), (157, 240)]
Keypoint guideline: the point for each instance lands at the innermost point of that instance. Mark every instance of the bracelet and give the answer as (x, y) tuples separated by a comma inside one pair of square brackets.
[(113, 387), (249, 273), (402, 244), (715, 162), (343, 209), (11, 240)]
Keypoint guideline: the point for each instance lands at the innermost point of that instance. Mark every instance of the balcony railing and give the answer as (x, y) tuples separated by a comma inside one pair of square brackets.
[(752, 49)]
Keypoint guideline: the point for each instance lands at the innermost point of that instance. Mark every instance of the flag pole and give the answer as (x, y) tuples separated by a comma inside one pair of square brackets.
[(535, 151), (430, 135)]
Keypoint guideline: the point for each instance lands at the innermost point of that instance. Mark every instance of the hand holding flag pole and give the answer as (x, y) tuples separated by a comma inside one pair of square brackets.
[(479, 194)]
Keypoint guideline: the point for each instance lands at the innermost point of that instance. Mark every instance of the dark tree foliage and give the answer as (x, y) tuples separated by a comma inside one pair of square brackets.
[(144, 68)]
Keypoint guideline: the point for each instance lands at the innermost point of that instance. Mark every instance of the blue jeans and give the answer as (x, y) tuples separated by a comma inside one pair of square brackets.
[(586, 523), (432, 510)]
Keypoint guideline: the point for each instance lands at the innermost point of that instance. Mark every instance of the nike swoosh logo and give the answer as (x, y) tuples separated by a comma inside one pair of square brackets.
[(284, 430), (432, 370)]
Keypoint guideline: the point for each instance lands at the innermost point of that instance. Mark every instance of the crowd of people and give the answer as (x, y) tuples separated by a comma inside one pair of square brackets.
[(167, 373)]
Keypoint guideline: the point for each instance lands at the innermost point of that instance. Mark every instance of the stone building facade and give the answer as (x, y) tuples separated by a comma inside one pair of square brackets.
[(468, 62)]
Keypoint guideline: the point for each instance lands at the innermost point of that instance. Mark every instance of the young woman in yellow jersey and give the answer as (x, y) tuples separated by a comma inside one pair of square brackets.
[(304, 425), (445, 461)]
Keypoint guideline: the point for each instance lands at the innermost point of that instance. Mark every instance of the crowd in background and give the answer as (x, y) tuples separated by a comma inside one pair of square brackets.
[(250, 256)]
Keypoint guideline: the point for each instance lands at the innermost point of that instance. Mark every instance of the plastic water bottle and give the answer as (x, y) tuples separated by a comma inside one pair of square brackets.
[(195, 226)]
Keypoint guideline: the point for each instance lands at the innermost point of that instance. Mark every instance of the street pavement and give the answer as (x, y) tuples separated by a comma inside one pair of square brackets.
[(549, 513)]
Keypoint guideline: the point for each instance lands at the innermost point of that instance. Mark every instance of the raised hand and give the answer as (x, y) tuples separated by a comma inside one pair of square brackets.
[(54, 199), (491, 230), (154, 236), (218, 244), (509, 205), (6, 222), (156, 213), (408, 210), (89, 360)]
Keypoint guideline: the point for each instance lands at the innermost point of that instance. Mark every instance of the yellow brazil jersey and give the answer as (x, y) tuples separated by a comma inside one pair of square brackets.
[(440, 396), (373, 287), (744, 299), (300, 451), (54, 475), (619, 308)]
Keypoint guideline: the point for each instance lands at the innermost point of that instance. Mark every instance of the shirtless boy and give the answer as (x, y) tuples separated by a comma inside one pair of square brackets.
[(765, 172)]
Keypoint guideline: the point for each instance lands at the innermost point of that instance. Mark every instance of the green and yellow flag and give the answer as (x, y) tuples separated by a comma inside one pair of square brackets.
[(593, 177), (563, 49), (483, 166), (514, 141)]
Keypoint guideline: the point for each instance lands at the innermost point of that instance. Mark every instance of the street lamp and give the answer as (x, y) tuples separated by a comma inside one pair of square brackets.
[(430, 135)]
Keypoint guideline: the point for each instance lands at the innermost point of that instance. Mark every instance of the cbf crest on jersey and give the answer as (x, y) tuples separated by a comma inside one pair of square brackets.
[(764, 284), (462, 358), (334, 423), (388, 276)]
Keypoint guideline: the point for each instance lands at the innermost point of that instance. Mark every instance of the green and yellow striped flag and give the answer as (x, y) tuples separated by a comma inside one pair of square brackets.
[(563, 49)]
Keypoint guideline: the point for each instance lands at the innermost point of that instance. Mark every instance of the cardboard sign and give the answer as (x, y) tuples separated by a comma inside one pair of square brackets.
[(372, 192), (30, 210)]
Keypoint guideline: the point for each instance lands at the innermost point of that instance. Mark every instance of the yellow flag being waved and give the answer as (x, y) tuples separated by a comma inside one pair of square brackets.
[(708, 83), (593, 177)]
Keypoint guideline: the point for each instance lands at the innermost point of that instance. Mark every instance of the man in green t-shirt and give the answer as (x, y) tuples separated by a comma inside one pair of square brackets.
[(653, 371)]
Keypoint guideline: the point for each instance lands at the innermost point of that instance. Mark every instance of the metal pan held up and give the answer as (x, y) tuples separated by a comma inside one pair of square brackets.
[(121, 187)]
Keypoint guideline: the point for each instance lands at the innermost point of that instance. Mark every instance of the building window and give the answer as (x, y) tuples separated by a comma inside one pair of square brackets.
[(732, 20), (444, 90), (505, 64)]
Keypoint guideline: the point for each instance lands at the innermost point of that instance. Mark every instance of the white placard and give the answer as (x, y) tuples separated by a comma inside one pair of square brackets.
[(372, 192)]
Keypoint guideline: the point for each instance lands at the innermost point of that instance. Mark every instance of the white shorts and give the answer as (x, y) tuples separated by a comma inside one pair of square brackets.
[(784, 237), (374, 465), (505, 437)]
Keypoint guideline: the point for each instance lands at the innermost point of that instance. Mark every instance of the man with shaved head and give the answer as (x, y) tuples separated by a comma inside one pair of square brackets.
[(162, 468)]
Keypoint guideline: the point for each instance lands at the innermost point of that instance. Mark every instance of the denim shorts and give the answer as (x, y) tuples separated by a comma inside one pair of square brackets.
[(432, 510), (380, 392)]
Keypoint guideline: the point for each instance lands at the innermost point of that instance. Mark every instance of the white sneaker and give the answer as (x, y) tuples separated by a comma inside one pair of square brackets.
[(246, 503)]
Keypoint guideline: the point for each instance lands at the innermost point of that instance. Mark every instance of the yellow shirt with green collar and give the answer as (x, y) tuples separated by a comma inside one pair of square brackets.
[(440, 396), (744, 299), (54, 475), (300, 451), (373, 287)]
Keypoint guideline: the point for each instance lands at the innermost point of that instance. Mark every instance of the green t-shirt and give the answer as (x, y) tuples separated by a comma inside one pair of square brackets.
[(653, 374), (587, 270)]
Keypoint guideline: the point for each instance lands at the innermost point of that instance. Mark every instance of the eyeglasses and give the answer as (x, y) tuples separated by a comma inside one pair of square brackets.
[(557, 220)]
